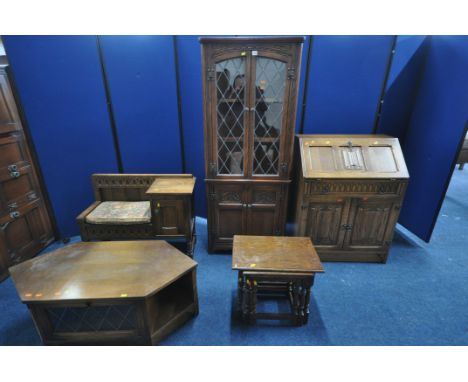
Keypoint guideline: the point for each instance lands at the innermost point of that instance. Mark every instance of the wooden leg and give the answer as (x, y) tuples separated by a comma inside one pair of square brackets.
[(297, 307), (244, 299), (195, 292), (460, 167), (305, 308), (252, 287)]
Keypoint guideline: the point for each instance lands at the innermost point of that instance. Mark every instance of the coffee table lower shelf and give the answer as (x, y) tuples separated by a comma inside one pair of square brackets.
[(295, 286), (125, 321)]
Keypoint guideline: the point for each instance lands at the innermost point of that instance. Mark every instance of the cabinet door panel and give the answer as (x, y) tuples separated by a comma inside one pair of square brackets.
[(169, 217), (264, 210), (369, 221), (23, 236), (7, 112), (325, 220), (227, 209)]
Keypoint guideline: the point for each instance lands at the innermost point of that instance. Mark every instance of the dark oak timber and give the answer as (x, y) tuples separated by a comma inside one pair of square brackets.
[(122, 292), (349, 192), (275, 266), (25, 223), (250, 90), (172, 207)]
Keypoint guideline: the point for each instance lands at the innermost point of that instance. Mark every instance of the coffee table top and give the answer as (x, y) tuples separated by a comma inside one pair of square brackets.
[(275, 254), (100, 270)]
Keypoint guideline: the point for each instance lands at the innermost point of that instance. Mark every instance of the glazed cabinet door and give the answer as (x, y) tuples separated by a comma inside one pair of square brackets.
[(227, 212), (264, 209), (227, 115), (271, 91), (371, 223), (325, 222)]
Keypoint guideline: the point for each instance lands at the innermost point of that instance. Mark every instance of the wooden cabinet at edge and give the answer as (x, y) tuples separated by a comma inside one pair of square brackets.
[(250, 96), (25, 226), (349, 194)]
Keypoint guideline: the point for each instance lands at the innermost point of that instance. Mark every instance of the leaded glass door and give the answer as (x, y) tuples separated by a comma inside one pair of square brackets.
[(269, 76), (231, 76)]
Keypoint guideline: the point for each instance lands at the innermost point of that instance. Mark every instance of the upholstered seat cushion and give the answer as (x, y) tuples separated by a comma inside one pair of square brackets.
[(120, 213)]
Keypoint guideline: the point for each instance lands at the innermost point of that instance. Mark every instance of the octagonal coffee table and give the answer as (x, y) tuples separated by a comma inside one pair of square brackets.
[(108, 292)]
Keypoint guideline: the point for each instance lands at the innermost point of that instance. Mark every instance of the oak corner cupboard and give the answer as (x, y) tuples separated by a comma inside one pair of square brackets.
[(250, 96), (349, 194)]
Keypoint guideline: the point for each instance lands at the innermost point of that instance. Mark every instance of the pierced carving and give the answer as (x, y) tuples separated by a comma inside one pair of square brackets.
[(340, 187), (136, 181)]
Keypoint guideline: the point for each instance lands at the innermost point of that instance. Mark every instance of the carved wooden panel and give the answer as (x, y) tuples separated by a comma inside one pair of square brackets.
[(369, 223), (325, 222), (7, 115), (25, 226), (264, 196), (358, 187)]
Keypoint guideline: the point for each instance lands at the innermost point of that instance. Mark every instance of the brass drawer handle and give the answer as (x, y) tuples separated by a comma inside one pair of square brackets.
[(347, 227), (14, 214)]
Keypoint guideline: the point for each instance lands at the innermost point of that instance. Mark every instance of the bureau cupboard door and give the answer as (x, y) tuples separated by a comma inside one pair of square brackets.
[(228, 212), (371, 223), (326, 222), (169, 217), (264, 210)]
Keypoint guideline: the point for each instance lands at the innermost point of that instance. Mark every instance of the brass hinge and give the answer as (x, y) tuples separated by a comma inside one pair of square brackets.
[(212, 168), (210, 74), (284, 167), (292, 73)]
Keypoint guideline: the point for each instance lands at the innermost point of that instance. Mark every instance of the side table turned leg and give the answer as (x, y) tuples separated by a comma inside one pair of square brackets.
[(249, 300), (253, 301), (297, 292), (308, 283)]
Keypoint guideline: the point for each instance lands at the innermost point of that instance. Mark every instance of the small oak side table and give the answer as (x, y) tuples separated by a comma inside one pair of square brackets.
[(272, 265)]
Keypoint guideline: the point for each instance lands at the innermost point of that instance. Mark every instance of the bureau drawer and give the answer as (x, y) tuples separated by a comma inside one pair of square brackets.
[(371, 187)]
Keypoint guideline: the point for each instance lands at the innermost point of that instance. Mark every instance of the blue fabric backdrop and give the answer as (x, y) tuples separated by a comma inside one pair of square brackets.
[(62, 93), (61, 90)]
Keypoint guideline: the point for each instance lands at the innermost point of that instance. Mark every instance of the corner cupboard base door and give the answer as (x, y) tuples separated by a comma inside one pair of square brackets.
[(244, 208)]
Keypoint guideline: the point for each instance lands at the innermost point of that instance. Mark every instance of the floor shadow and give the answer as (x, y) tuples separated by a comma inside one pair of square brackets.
[(315, 325)]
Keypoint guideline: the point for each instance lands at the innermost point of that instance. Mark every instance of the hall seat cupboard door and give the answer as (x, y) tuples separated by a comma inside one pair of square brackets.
[(25, 226)]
